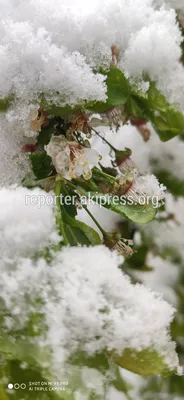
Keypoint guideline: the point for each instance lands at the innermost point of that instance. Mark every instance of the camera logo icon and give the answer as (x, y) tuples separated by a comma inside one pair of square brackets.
[(17, 386)]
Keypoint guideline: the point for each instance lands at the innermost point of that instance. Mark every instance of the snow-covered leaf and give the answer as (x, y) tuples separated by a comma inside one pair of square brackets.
[(146, 362)]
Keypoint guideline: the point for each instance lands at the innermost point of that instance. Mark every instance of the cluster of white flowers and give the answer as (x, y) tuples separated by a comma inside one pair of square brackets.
[(94, 308)]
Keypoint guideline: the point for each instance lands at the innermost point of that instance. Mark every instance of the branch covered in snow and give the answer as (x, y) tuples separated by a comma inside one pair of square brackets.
[(87, 89), (91, 309)]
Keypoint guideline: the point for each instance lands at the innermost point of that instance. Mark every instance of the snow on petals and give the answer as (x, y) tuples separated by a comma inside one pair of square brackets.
[(70, 159), (146, 188)]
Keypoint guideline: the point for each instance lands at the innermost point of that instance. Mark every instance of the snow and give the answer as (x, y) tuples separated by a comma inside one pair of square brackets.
[(168, 234), (147, 188), (176, 4), (163, 277), (92, 308), (72, 296), (13, 163), (62, 44), (52, 47), (24, 226), (168, 156)]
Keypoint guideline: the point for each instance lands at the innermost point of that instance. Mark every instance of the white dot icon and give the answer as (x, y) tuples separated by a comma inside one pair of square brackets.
[(10, 386)]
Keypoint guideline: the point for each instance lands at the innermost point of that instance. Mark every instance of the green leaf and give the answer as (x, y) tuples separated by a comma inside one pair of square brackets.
[(98, 361), (136, 107), (164, 135), (136, 213), (5, 103), (27, 376), (19, 347), (74, 232), (118, 91), (118, 88), (18, 375), (41, 165), (168, 124), (146, 362), (175, 120), (24, 350), (45, 135), (98, 106), (78, 232), (167, 121), (68, 193), (56, 110), (118, 382), (156, 99), (140, 214)]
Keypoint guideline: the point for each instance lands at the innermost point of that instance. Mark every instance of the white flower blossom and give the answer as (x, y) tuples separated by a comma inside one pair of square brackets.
[(70, 159)]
